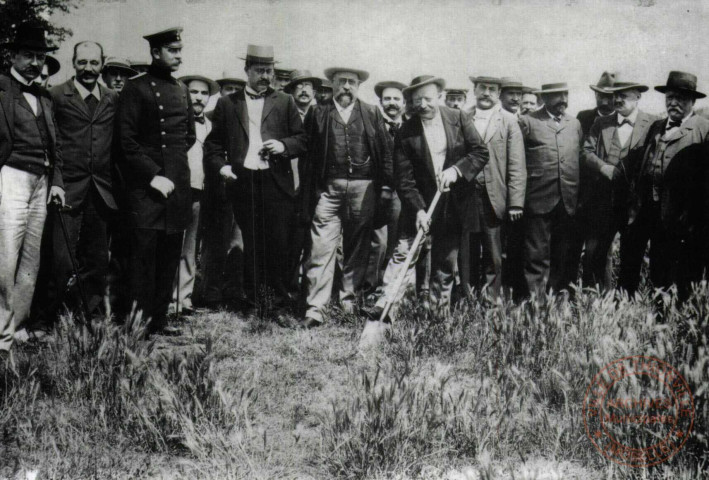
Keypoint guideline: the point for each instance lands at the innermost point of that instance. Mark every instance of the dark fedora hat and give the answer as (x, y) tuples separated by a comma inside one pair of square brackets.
[(297, 76), (554, 88), (423, 80), (326, 84), (53, 65), (259, 54), (682, 82), (379, 87), (212, 85), (330, 72), (30, 37), (619, 86), (607, 80)]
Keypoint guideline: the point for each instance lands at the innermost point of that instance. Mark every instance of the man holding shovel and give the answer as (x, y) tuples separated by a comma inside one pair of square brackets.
[(438, 148)]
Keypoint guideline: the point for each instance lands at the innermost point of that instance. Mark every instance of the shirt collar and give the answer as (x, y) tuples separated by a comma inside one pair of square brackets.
[(16, 75), (252, 92), (399, 120), (632, 117), (684, 120), (96, 92), (482, 113), (599, 114), (341, 109)]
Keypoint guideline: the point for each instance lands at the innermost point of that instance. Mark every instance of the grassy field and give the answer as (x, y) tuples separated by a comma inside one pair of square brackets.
[(494, 392)]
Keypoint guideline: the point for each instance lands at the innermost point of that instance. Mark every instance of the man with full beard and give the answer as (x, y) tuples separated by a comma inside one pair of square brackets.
[(348, 168), (200, 88), (384, 235), (115, 73), (553, 141)]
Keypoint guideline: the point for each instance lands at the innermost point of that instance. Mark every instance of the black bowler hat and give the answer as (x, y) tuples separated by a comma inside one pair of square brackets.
[(681, 82), (53, 65), (30, 37), (165, 37)]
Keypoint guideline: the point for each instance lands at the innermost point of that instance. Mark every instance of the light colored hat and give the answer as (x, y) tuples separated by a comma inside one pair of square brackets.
[(330, 72), (259, 54), (423, 80)]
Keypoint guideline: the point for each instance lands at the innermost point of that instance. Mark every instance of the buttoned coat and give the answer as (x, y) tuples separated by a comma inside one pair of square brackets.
[(8, 91), (600, 191), (416, 181), (86, 142), (228, 141), (155, 128), (506, 172), (695, 130), (553, 157)]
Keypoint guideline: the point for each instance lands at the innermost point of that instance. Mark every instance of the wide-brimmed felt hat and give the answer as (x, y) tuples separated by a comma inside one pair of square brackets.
[(607, 80), (457, 91), (485, 79), (362, 74), (298, 76), (423, 80), (282, 73), (553, 88), (259, 54), (165, 37), (513, 82), (119, 64), (228, 80), (213, 86), (381, 86), (682, 82), (30, 37), (327, 84), (619, 86), (53, 65), (529, 90)]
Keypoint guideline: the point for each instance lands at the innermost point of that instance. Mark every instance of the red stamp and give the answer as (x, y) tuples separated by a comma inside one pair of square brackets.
[(638, 411)]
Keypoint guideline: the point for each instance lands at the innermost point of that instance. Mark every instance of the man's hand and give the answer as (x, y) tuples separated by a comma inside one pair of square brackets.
[(447, 178), (274, 147), (163, 185), (422, 221), (227, 173), (515, 213), (57, 195), (608, 171)]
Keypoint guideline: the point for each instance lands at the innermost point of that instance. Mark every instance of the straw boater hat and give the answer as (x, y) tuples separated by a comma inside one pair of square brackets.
[(30, 37), (298, 76), (513, 82), (423, 80), (213, 86), (119, 64), (485, 79), (259, 54), (381, 86), (230, 77), (681, 82), (553, 88), (53, 65), (607, 79), (330, 72)]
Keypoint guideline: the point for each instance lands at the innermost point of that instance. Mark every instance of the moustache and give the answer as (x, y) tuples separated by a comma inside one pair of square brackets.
[(197, 102), (394, 108), (304, 95), (32, 69)]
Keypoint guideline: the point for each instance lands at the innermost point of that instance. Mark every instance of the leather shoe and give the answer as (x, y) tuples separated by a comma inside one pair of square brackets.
[(309, 322)]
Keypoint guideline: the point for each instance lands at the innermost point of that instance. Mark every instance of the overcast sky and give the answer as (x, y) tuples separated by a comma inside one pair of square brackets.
[(540, 41)]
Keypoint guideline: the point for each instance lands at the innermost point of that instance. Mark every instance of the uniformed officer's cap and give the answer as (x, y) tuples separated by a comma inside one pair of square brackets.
[(170, 37), (457, 91)]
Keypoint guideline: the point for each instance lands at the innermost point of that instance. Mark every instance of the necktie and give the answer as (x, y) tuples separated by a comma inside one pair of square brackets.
[(92, 103), (674, 123), (199, 119), (393, 126), (32, 89), (557, 119), (256, 96), (624, 121)]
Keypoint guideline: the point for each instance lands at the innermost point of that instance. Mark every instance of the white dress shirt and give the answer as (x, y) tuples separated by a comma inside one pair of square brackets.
[(31, 99), (625, 131), (254, 107), (345, 113), (96, 92), (196, 152), (481, 120), (435, 135)]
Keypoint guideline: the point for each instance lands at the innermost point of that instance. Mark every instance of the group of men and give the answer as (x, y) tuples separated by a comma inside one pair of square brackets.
[(293, 191)]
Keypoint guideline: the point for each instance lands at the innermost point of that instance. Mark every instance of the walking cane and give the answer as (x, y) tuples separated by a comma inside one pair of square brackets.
[(74, 265), (409, 258)]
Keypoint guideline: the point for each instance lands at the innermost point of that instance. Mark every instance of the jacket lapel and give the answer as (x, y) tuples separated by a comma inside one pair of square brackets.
[(450, 124), (421, 145), (104, 103), (75, 99), (493, 126), (47, 112), (607, 135), (685, 128), (642, 124), (241, 113), (7, 103), (268, 104)]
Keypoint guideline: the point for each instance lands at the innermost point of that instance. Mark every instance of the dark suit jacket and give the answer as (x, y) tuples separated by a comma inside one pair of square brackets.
[(415, 174), (313, 170), (553, 156), (693, 131), (587, 118), (7, 122), (86, 142), (228, 142), (598, 190)]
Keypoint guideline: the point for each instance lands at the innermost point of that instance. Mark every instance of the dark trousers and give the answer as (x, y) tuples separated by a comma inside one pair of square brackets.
[(222, 257), (599, 229), (155, 256), (646, 227), (265, 214), (480, 256), (513, 258), (547, 260)]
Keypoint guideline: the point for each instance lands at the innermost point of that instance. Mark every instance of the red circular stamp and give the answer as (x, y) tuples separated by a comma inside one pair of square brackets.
[(638, 411)]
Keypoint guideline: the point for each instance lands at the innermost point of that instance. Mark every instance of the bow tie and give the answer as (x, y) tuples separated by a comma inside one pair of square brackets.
[(32, 89), (557, 119), (674, 123), (257, 96), (199, 119), (624, 121)]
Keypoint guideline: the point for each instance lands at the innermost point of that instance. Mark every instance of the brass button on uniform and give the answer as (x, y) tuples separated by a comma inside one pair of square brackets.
[(157, 94), (160, 107)]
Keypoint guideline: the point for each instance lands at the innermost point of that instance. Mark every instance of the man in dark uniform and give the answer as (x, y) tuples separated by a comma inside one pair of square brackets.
[(155, 128)]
